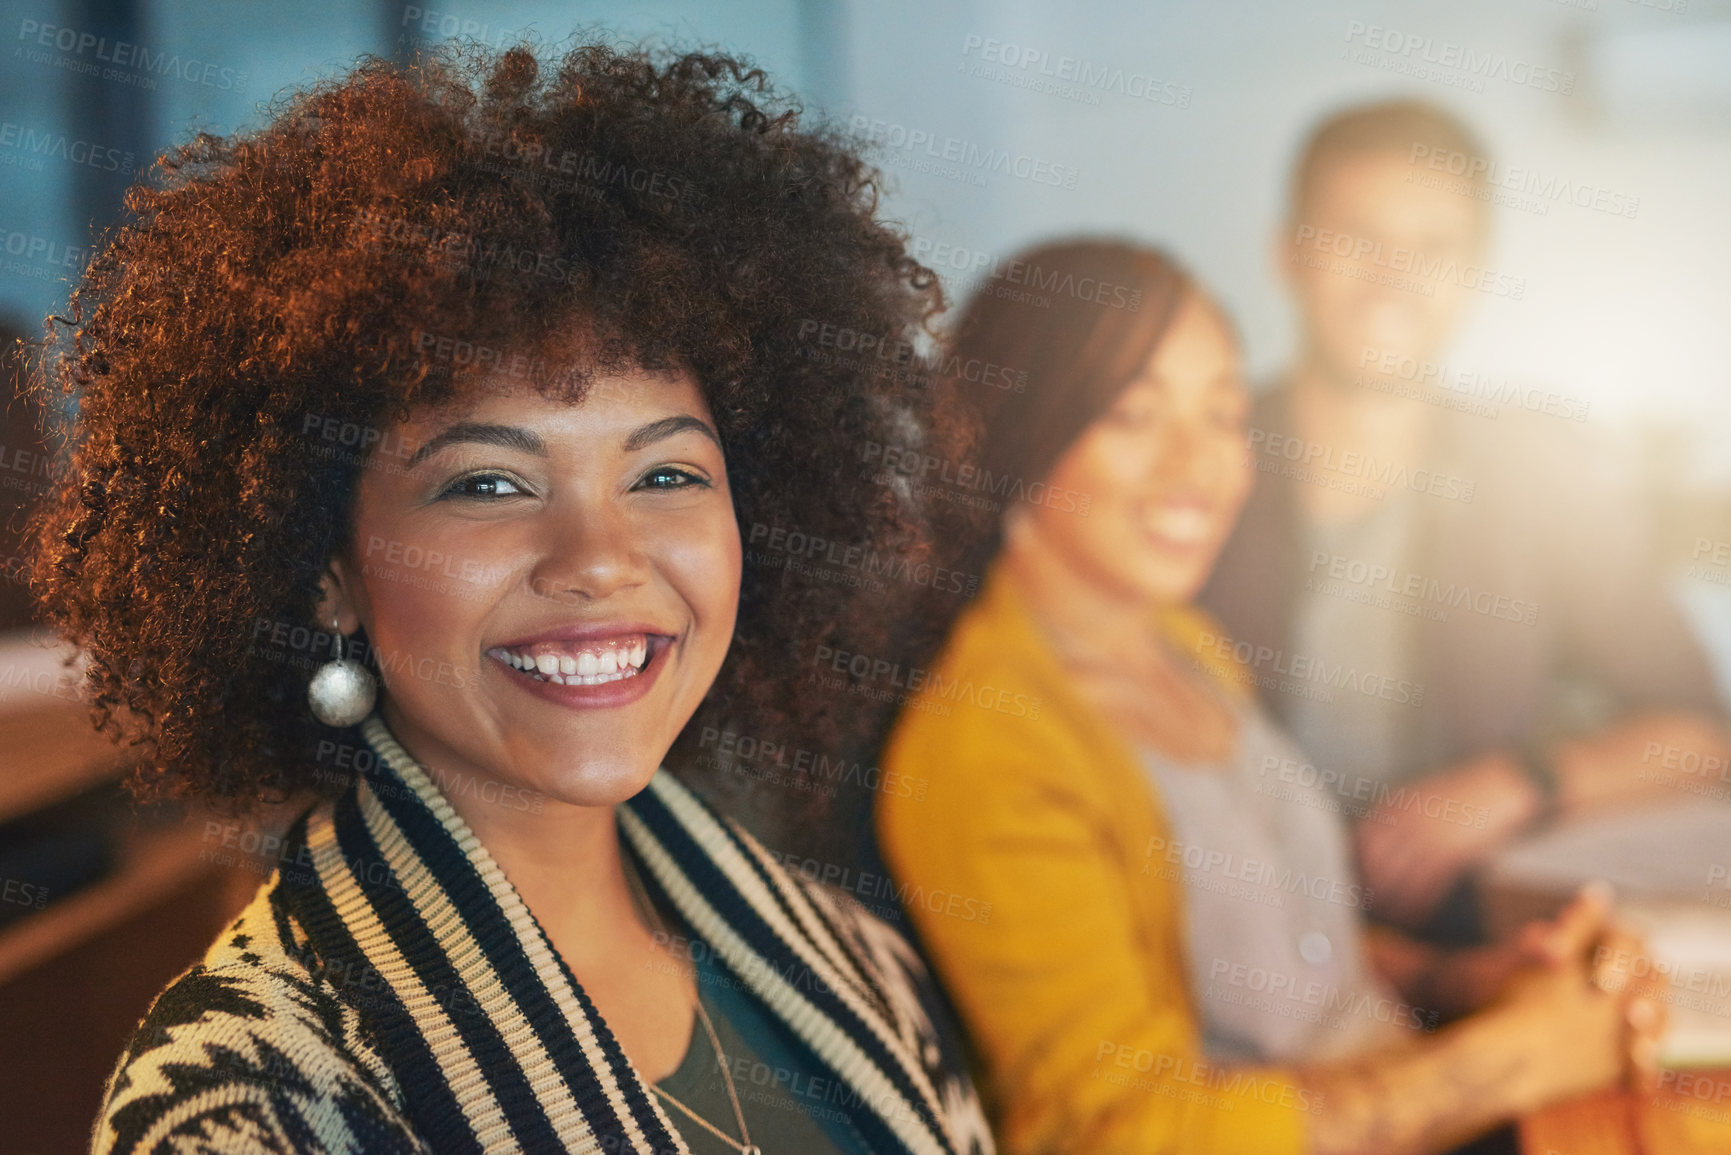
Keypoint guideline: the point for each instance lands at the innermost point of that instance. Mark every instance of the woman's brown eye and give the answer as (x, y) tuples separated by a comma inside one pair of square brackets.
[(668, 477), (482, 485)]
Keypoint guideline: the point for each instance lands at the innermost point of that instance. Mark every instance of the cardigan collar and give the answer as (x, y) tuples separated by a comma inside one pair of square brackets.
[(1014, 629), (492, 1039)]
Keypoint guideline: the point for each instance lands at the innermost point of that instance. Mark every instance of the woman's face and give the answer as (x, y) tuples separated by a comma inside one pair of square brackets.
[(550, 588), (1165, 469)]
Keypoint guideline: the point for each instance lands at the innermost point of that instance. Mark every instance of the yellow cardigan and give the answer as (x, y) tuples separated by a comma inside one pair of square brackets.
[(1033, 871)]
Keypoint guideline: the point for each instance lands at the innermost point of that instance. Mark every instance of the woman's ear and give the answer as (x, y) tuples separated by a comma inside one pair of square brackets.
[(337, 601)]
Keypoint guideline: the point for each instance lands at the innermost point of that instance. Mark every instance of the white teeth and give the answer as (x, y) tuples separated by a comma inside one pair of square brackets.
[(584, 668), (1185, 525)]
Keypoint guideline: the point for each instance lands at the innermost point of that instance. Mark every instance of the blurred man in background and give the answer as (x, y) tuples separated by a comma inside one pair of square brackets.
[(1443, 583)]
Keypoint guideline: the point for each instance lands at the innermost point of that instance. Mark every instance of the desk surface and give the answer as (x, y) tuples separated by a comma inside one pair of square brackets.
[(1689, 1115)]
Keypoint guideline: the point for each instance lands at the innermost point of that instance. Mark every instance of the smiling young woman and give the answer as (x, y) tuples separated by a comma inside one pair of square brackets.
[(470, 372), (1175, 960)]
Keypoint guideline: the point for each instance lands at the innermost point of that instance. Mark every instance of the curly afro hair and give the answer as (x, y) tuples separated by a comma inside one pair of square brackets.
[(271, 287)]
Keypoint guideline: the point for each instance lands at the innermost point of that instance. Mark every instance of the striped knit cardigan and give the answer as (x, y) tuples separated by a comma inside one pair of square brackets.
[(387, 991)]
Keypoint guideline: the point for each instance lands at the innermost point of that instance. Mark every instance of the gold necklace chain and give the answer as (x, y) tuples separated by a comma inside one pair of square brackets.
[(743, 1144)]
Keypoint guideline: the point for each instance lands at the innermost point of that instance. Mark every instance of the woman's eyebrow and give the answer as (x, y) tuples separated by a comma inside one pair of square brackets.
[(516, 437), (507, 436), (656, 430)]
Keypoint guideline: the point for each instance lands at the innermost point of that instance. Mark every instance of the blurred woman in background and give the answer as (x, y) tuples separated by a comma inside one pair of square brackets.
[(1091, 744)]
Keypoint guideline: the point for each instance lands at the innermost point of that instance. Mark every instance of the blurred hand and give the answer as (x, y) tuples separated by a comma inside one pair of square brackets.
[(1579, 1021), (1621, 965), (1473, 978), (1411, 854)]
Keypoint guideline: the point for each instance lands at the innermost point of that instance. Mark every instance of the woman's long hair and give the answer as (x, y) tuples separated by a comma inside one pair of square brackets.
[(1072, 323), (1075, 322)]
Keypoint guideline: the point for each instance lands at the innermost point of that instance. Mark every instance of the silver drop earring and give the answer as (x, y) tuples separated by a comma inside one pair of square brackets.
[(342, 690)]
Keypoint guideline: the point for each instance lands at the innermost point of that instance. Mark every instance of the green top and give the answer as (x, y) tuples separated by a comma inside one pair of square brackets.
[(792, 1104)]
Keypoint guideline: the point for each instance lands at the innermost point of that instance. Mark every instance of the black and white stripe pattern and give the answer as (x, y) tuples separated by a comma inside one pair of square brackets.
[(487, 1042)]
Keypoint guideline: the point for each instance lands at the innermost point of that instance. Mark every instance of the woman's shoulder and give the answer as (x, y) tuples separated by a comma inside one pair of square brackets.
[(897, 980), (990, 685), (253, 1048), (996, 725)]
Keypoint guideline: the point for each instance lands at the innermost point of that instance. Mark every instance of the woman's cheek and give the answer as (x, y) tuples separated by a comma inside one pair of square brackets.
[(1240, 472), (703, 561)]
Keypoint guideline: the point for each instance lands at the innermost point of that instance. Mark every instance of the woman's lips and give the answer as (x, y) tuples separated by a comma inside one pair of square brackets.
[(598, 672), (1182, 526), (587, 663)]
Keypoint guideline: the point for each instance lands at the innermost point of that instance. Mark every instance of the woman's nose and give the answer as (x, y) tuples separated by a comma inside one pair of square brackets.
[(589, 552), (1192, 452), (1177, 449)]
